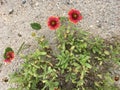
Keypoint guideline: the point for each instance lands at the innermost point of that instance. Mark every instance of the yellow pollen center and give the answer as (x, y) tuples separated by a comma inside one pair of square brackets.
[(53, 23), (8, 56), (75, 15)]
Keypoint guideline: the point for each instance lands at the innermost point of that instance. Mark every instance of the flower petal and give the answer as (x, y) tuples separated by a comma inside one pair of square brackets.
[(74, 16), (10, 55), (53, 22), (7, 61)]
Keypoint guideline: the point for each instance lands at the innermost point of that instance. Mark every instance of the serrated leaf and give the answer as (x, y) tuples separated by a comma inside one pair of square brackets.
[(7, 50), (35, 26)]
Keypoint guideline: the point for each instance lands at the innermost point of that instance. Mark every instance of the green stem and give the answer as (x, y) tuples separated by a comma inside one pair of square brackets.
[(20, 47)]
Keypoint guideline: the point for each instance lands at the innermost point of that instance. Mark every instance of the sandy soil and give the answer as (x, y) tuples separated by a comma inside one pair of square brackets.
[(101, 17)]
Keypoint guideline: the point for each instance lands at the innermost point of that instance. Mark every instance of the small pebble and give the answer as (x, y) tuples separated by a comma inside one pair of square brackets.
[(99, 26), (91, 26), (23, 1), (5, 79), (19, 35), (68, 3), (116, 78), (11, 11), (36, 4), (97, 21), (1, 2)]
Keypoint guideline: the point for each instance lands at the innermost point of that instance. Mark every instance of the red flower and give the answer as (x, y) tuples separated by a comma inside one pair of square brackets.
[(53, 22), (9, 57), (7, 61), (74, 16)]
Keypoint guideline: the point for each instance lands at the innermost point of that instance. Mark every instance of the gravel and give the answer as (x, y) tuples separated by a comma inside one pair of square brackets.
[(101, 17)]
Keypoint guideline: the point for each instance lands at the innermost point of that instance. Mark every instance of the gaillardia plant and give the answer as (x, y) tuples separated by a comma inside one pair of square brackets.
[(79, 63)]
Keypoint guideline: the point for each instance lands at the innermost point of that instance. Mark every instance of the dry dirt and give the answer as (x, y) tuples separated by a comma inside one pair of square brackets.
[(101, 17)]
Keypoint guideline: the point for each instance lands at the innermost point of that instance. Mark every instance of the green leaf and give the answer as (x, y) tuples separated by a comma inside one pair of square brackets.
[(7, 50), (21, 47), (88, 65), (0, 65), (107, 52), (72, 48), (63, 18), (35, 26), (38, 53), (97, 84), (12, 89)]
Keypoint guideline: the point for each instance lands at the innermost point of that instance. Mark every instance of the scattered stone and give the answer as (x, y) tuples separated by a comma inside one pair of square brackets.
[(1, 2), (116, 78), (99, 26), (68, 3), (97, 21), (37, 4), (11, 11), (5, 79), (91, 26), (23, 1), (19, 35)]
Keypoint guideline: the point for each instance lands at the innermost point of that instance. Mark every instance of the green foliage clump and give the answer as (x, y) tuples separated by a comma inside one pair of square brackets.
[(80, 64)]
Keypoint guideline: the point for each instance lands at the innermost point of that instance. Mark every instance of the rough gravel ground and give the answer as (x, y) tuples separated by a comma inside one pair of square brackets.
[(101, 17)]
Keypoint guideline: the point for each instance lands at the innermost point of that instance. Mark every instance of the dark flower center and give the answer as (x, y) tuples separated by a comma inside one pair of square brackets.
[(74, 16), (9, 55), (53, 23)]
